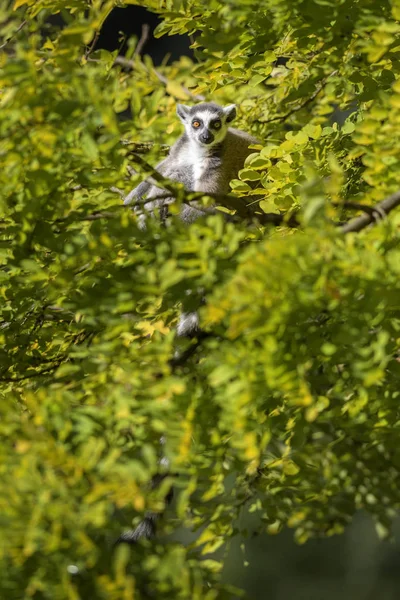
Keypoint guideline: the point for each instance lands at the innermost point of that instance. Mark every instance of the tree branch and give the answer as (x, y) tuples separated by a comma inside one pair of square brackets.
[(165, 183), (370, 210), (379, 212), (90, 217), (289, 219), (130, 64)]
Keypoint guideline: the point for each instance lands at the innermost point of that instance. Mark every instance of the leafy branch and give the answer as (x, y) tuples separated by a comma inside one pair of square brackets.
[(46, 371), (308, 101)]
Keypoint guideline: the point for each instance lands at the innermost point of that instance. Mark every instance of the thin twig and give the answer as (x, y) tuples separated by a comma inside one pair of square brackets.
[(166, 183), (165, 81), (117, 190), (98, 31), (92, 45), (124, 62), (143, 39), (145, 147), (93, 217), (308, 101), (90, 217), (129, 64), (14, 34)]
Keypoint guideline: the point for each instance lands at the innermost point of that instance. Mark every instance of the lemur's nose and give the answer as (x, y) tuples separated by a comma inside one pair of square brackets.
[(206, 137)]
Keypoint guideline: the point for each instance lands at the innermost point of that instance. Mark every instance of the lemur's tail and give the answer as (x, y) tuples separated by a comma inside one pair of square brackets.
[(188, 326), (146, 529)]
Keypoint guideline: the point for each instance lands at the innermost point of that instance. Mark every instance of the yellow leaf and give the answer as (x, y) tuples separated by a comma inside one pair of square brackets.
[(274, 528), (290, 468), (268, 206), (301, 137), (213, 546), (105, 240), (296, 518), (22, 446), (175, 89), (313, 131), (375, 53), (368, 127), (395, 101), (19, 3), (311, 414)]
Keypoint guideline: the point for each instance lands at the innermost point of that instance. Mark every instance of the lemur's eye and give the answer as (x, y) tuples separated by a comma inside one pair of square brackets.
[(196, 124), (217, 124)]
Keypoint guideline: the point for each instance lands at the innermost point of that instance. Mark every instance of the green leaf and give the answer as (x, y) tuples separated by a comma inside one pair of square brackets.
[(249, 175)]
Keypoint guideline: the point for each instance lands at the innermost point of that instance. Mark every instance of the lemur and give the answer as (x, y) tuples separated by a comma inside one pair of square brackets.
[(205, 159)]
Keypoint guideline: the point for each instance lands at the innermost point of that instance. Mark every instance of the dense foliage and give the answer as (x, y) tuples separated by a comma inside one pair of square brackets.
[(289, 406)]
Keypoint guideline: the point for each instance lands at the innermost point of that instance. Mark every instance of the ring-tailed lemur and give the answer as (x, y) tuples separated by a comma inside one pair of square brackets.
[(205, 159)]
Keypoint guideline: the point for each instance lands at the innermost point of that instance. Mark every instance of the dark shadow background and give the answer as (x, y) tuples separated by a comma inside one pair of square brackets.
[(123, 23), (353, 566)]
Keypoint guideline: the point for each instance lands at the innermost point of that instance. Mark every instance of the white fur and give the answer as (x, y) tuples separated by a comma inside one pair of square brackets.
[(197, 157), (198, 153), (207, 115)]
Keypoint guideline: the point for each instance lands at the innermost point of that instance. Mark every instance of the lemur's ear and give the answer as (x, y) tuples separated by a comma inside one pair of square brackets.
[(230, 112), (183, 112)]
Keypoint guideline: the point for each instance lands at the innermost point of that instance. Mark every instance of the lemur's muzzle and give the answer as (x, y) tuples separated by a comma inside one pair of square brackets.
[(206, 137)]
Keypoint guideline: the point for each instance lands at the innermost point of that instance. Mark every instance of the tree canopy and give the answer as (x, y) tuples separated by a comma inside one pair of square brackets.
[(288, 405)]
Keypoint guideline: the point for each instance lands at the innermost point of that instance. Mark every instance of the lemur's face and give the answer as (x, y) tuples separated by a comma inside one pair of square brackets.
[(206, 123)]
